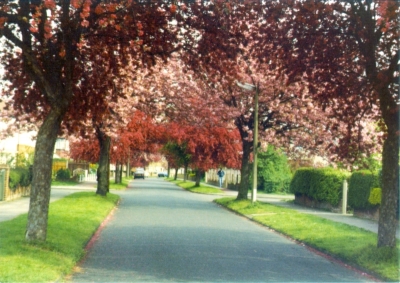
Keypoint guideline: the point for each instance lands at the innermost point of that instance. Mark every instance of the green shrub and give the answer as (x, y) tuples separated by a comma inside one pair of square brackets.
[(327, 185), (26, 176), (375, 196), (273, 171), (63, 175), (20, 177), (360, 185), (269, 186), (301, 181), (322, 184), (14, 179)]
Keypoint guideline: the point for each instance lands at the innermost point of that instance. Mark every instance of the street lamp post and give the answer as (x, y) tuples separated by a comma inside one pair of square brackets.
[(255, 148), (251, 87)]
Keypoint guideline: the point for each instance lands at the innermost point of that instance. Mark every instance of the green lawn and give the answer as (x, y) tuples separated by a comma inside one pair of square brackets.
[(122, 186), (190, 186), (350, 244), (72, 222)]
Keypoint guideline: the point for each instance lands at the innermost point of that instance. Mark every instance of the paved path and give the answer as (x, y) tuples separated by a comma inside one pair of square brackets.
[(161, 233)]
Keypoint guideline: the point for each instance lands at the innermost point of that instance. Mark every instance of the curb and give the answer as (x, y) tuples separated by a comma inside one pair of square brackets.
[(92, 241), (367, 274)]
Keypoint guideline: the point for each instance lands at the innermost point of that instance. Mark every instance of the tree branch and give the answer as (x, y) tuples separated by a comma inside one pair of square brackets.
[(32, 65)]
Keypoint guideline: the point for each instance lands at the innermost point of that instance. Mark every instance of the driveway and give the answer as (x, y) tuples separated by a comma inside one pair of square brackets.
[(161, 233)]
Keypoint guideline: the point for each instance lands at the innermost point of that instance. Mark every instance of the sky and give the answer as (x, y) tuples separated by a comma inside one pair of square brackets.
[(9, 144)]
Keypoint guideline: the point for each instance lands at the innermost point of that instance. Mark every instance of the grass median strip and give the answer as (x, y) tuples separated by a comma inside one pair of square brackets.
[(190, 186), (121, 186), (72, 222), (352, 245)]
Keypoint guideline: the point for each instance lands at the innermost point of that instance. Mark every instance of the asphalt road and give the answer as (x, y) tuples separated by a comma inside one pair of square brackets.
[(161, 233)]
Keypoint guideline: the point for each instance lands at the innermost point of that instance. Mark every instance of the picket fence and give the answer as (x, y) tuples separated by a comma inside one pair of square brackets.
[(91, 177)]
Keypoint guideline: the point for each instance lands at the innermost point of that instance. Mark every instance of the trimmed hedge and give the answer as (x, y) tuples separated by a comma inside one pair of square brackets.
[(301, 181), (320, 184), (19, 177), (360, 185)]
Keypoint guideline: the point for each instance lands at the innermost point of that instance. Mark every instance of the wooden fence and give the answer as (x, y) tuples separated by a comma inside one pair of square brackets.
[(231, 179)]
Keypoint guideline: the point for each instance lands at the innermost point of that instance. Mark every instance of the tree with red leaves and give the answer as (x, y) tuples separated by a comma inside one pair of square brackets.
[(348, 52), (140, 137), (84, 149), (223, 53), (199, 135), (128, 145), (201, 147), (49, 44)]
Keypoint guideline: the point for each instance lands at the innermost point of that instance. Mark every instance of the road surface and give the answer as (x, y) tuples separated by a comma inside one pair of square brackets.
[(161, 233)]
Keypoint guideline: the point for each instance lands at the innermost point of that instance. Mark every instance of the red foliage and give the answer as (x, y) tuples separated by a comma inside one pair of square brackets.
[(84, 74), (348, 53), (85, 150), (133, 143), (208, 146), (228, 52), (138, 139)]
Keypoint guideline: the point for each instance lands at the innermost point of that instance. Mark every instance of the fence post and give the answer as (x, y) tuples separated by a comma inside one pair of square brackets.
[(344, 197), (225, 184), (2, 183)]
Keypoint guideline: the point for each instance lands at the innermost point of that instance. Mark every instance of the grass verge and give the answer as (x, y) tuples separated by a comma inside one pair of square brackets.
[(190, 186), (352, 245), (72, 222), (122, 186)]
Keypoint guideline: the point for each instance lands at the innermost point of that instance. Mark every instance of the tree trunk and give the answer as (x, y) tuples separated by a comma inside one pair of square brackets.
[(185, 173), (198, 177), (120, 174), (128, 169), (247, 147), (116, 177), (176, 174), (388, 211), (103, 172), (36, 229), (245, 171), (390, 193)]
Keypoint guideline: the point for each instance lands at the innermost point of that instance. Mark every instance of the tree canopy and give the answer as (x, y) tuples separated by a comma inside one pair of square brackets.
[(326, 73), (51, 47)]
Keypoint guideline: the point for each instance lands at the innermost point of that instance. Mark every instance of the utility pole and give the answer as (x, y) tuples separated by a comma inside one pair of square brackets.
[(255, 147)]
